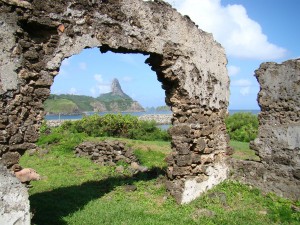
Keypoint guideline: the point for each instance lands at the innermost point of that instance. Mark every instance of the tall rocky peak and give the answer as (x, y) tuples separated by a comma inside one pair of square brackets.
[(116, 88)]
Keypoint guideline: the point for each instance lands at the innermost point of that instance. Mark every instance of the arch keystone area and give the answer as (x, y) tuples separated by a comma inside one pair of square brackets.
[(37, 35)]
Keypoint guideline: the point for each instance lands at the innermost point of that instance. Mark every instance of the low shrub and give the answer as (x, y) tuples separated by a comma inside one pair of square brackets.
[(62, 140), (242, 126), (117, 125)]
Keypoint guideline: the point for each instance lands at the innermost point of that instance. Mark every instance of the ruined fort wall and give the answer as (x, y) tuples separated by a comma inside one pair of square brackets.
[(188, 62), (278, 142)]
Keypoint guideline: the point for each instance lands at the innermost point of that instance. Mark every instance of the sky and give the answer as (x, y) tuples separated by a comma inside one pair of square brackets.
[(251, 31)]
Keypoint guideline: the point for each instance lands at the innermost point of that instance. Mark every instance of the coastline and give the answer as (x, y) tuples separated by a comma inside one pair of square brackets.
[(160, 119)]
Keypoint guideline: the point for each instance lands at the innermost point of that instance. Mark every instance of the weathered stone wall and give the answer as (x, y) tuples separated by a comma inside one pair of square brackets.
[(191, 66), (106, 152), (14, 203), (278, 142)]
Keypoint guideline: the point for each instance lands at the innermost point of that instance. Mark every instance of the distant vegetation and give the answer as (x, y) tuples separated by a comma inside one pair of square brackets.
[(108, 97), (63, 106), (117, 125), (159, 108), (113, 102), (242, 126), (69, 104), (162, 108), (59, 103)]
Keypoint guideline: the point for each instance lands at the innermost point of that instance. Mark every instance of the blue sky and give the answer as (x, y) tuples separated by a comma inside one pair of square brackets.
[(251, 31)]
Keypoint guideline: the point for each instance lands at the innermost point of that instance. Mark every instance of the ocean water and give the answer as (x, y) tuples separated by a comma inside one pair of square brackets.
[(79, 116)]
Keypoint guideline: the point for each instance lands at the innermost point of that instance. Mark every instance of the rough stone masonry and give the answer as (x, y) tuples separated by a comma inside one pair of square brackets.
[(278, 142), (14, 203), (37, 35)]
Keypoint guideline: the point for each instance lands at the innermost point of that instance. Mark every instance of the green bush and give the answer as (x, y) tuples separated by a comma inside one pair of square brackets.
[(62, 139), (117, 125), (242, 126)]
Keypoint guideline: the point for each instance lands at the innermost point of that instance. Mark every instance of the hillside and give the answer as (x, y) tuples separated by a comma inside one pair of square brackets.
[(63, 106), (114, 101)]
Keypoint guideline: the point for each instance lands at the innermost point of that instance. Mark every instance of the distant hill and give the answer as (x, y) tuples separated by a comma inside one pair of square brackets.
[(114, 101), (63, 106)]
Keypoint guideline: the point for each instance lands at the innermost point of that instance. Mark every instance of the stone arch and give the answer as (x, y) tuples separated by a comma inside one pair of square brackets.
[(188, 62)]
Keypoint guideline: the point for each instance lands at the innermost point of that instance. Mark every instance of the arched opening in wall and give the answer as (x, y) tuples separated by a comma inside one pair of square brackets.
[(84, 87), (91, 74)]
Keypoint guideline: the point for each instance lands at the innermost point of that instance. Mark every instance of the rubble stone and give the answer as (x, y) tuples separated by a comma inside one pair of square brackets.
[(106, 152)]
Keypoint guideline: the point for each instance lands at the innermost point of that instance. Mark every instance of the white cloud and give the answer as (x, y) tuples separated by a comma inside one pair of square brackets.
[(100, 87), (73, 91), (244, 86), (127, 79), (241, 83), (98, 78), (233, 70), (245, 91), (82, 65), (241, 36)]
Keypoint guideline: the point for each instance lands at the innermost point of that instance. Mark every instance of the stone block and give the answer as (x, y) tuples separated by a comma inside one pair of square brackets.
[(183, 160), (10, 158), (181, 171), (200, 144), (296, 174), (14, 203)]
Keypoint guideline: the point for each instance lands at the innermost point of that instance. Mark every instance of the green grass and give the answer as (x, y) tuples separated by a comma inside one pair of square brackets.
[(55, 106), (76, 191), (242, 151)]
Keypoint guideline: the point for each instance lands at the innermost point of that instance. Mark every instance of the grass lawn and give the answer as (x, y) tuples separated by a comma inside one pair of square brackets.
[(242, 151), (76, 191)]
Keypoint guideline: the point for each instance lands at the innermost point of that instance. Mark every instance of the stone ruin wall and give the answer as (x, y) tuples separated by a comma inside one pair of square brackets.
[(106, 153), (37, 35), (14, 203), (278, 142)]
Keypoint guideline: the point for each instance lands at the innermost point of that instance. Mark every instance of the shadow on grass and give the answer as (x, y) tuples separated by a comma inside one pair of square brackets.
[(50, 207)]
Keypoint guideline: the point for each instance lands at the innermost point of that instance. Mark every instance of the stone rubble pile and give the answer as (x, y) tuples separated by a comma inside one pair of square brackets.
[(106, 152), (158, 118)]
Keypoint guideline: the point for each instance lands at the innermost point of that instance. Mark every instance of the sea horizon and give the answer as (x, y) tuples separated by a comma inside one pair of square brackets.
[(81, 115)]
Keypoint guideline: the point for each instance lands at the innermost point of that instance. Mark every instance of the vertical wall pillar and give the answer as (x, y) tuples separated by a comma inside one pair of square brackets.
[(278, 142)]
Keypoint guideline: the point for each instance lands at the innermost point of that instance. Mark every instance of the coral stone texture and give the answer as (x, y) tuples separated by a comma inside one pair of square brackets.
[(37, 35), (278, 142), (14, 203)]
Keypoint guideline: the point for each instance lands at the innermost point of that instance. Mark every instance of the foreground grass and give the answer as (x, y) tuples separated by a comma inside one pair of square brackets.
[(242, 151), (77, 191)]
